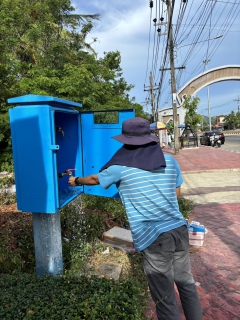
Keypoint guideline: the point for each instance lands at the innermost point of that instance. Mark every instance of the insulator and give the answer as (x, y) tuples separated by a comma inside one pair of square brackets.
[(151, 4), (155, 20), (161, 18), (159, 30)]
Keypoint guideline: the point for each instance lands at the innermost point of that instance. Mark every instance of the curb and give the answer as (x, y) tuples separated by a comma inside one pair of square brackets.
[(213, 170)]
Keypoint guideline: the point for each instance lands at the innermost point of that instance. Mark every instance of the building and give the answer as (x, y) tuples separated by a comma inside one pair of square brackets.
[(166, 115), (219, 122)]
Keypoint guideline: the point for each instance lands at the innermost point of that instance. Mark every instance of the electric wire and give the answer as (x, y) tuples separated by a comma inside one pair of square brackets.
[(203, 22), (226, 25)]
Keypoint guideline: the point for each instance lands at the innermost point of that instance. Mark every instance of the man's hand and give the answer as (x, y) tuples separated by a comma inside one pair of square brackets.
[(71, 181)]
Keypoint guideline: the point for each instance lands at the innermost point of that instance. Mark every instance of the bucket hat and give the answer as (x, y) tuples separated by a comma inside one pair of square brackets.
[(136, 132)]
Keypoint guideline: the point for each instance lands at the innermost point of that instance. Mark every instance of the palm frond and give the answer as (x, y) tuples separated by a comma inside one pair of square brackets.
[(83, 17)]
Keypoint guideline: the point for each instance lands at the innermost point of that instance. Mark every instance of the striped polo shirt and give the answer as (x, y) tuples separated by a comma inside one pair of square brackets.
[(149, 198)]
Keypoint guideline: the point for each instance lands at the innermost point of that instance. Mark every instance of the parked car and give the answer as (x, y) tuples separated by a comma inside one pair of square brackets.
[(205, 138)]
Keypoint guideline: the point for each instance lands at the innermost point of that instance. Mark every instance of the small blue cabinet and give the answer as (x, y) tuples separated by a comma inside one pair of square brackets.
[(51, 136)]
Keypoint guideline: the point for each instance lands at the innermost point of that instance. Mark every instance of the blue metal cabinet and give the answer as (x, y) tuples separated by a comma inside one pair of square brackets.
[(49, 137)]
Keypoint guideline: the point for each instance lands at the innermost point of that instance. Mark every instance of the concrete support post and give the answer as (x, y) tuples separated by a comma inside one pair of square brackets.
[(48, 243)]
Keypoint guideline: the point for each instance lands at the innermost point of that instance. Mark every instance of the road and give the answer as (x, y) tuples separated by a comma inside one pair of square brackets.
[(232, 142)]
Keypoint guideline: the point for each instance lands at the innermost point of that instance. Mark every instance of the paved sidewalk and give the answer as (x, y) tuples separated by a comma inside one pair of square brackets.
[(215, 265), (205, 159)]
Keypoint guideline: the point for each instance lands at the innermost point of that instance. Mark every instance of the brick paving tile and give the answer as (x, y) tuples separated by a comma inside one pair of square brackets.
[(205, 158)]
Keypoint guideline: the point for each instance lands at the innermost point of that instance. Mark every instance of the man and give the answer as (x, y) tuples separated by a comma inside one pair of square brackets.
[(169, 141), (164, 141), (149, 183)]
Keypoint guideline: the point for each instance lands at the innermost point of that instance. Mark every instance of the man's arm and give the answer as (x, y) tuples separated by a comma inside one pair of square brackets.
[(91, 180), (178, 191)]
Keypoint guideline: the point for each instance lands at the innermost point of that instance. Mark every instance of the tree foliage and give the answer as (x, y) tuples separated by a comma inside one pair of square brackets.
[(44, 51), (192, 118), (232, 120)]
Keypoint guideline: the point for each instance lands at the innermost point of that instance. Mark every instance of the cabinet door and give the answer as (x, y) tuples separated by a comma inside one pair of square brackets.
[(97, 145), (33, 153)]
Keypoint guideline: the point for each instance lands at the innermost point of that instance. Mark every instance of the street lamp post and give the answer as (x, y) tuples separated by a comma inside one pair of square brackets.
[(206, 62), (208, 95)]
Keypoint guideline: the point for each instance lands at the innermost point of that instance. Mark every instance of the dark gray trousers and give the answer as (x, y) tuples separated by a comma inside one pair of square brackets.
[(166, 261)]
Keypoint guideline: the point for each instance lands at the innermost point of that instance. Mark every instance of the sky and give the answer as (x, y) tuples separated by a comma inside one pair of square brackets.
[(128, 27)]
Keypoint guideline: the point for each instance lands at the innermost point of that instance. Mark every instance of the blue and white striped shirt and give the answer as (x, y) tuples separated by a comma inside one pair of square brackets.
[(149, 198)]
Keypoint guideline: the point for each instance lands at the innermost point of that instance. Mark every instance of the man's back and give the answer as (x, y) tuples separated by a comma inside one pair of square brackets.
[(149, 198)]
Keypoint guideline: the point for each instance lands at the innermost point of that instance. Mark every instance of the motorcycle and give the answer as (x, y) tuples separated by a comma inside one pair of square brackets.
[(215, 141)]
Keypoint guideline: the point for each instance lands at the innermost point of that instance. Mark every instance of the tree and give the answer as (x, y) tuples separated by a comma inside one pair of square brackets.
[(192, 118), (232, 120), (44, 51), (238, 118)]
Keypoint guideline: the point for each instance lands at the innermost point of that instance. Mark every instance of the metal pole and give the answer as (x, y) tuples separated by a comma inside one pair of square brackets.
[(154, 115), (237, 101), (152, 97), (208, 95), (209, 110), (173, 83)]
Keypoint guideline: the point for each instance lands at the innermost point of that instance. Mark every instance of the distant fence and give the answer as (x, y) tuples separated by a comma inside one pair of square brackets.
[(189, 142)]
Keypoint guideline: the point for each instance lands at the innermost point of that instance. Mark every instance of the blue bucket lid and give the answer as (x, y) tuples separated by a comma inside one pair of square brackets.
[(196, 228)]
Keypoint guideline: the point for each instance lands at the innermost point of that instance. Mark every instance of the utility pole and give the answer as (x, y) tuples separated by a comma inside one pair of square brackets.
[(151, 88), (173, 82), (237, 101), (154, 114), (208, 95), (152, 97)]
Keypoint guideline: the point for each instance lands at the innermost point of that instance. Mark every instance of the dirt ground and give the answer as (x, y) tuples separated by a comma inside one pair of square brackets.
[(16, 225), (13, 222), (11, 217)]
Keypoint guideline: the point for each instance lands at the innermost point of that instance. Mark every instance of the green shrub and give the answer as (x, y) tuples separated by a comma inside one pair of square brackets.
[(6, 182), (25, 296), (7, 198), (80, 232), (113, 206), (185, 206), (17, 250), (6, 160)]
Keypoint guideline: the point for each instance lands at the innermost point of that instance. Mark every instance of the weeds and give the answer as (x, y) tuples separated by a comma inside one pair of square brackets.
[(185, 207)]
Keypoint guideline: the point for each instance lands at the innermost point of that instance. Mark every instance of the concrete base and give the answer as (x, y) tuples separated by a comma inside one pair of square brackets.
[(107, 270), (119, 238)]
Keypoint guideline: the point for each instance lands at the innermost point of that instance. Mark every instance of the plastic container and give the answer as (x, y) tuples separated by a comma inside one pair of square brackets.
[(196, 234)]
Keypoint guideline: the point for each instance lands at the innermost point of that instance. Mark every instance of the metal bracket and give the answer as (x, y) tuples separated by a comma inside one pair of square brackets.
[(54, 147)]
